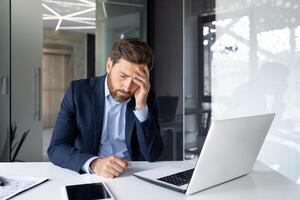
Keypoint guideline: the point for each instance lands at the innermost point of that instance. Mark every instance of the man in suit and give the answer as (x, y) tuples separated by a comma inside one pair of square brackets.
[(106, 121)]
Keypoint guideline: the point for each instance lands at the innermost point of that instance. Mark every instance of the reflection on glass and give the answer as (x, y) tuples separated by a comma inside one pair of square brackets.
[(209, 36), (116, 20), (200, 34), (256, 70), (171, 127)]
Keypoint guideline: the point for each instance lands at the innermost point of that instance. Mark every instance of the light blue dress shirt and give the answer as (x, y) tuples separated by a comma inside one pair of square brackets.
[(113, 129)]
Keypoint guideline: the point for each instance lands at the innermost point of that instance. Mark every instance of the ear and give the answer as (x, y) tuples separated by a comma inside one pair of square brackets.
[(109, 65)]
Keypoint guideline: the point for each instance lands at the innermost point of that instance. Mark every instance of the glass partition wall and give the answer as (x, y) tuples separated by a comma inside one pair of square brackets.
[(247, 56), (20, 125), (116, 20), (256, 70), (199, 35), (168, 74), (4, 80)]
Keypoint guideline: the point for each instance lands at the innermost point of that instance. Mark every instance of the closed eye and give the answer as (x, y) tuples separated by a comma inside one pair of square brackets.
[(122, 75)]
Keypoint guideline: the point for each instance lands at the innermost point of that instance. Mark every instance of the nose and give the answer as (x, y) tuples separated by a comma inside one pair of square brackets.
[(127, 84)]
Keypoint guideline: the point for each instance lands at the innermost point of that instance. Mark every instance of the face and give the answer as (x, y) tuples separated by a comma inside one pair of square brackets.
[(120, 79)]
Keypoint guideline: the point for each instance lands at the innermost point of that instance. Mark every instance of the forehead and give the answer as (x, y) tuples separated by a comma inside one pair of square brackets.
[(126, 67)]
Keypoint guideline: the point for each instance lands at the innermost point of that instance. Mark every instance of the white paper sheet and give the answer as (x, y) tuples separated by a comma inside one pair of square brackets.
[(15, 185)]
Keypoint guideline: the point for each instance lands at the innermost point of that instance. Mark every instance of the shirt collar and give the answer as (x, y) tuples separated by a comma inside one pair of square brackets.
[(106, 90)]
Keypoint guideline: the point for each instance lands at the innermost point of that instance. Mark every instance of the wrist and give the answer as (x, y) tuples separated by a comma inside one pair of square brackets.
[(140, 106), (92, 165)]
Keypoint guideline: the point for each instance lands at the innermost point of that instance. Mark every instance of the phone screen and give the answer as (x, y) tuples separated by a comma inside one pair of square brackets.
[(88, 192)]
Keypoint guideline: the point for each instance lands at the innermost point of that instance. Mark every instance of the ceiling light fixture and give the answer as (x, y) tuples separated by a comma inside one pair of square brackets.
[(80, 12), (88, 2), (85, 6), (58, 24), (50, 17), (77, 20), (50, 10), (72, 16), (71, 4), (104, 9), (77, 27)]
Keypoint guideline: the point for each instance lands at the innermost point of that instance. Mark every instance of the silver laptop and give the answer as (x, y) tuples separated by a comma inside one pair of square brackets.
[(230, 151)]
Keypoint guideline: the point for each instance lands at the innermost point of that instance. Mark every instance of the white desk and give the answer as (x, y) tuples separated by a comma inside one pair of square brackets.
[(263, 183)]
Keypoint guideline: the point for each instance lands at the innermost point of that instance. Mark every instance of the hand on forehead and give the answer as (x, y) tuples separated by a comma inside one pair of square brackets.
[(130, 69)]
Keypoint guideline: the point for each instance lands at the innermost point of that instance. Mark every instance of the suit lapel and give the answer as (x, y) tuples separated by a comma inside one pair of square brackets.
[(98, 102)]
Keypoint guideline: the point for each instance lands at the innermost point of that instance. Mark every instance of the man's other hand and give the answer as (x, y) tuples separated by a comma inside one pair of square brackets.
[(109, 167)]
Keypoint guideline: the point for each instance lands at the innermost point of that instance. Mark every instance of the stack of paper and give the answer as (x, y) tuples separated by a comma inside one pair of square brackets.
[(15, 185)]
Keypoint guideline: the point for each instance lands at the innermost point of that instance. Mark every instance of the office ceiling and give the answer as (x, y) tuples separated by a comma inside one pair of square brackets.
[(76, 15), (80, 15)]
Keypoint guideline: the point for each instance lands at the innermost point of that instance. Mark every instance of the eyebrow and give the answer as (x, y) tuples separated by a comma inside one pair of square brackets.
[(122, 73)]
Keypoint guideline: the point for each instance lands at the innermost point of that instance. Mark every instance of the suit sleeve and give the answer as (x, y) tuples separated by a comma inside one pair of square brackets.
[(148, 132), (62, 150)]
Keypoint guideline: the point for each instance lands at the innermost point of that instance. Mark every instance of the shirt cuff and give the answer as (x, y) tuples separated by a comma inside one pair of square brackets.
[(86, 166), (142, 114)]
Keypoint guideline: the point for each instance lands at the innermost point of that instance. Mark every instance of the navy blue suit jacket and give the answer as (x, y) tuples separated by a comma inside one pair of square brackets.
[(77, 132)]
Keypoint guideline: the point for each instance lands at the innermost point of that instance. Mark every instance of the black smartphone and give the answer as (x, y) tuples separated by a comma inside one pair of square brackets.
[(88, 192)]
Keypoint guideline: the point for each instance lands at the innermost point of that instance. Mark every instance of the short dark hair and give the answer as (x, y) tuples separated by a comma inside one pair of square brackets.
[(133, 50)]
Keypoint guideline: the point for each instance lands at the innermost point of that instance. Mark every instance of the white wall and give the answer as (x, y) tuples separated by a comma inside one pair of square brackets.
[(256, 69)]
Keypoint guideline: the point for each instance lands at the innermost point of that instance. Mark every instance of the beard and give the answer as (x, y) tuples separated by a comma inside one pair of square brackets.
[(118, 95)]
